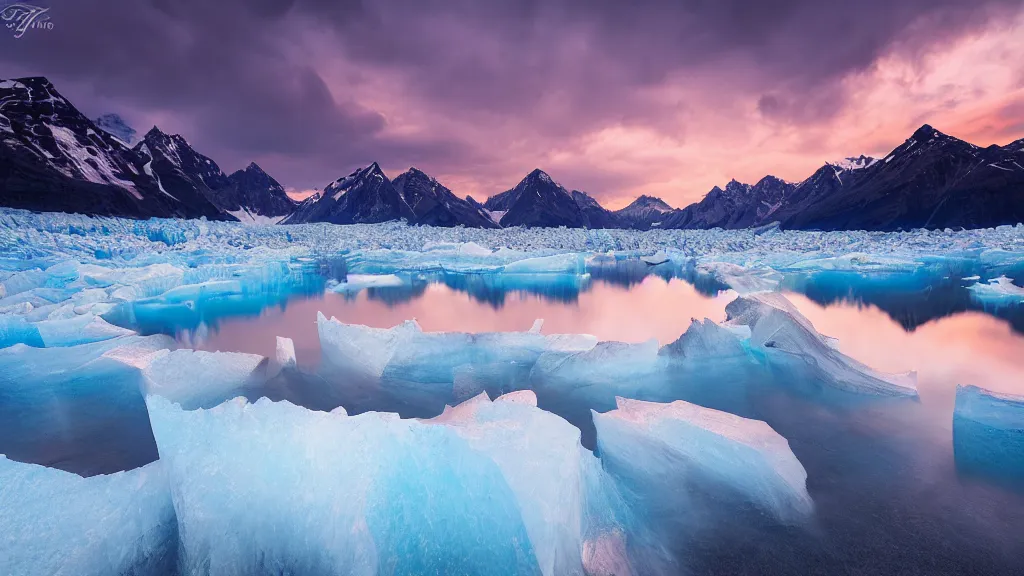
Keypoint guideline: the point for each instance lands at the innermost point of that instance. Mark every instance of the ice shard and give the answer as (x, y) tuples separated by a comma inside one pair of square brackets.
[(789, 341), (59, 523), (79, 408), (486, 488), (666, 447)]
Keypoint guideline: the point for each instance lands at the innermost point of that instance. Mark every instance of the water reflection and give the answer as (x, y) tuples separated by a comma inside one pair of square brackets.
[(912, 298)]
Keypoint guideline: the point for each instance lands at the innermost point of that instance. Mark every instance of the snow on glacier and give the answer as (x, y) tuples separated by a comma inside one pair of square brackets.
[(59, 523), (486, 488), (665, 446)]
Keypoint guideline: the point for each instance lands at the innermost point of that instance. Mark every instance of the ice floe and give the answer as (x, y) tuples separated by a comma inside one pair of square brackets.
[(664, 446), (56, 522)]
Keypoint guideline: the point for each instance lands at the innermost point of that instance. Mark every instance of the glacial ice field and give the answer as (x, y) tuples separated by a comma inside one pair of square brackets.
[(207, 398)]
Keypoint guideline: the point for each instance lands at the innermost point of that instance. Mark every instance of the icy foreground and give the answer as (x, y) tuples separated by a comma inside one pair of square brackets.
[(58, 523), (510, 484), (672, 444)]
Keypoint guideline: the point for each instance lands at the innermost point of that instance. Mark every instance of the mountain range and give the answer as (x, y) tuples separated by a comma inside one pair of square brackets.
[(54, 158)]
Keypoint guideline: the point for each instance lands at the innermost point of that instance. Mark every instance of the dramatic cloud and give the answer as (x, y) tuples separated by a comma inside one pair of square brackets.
[(618, 98)]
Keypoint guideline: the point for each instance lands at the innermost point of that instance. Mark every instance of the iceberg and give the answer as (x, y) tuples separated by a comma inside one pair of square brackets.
[(486, 488), (788, 341), (660, 448), (56, 522), (547, 469), (608, 365), (357, 282), (407, 353), (708, 341), (997, 292), (365, 349), (285, 353), (988, 433)]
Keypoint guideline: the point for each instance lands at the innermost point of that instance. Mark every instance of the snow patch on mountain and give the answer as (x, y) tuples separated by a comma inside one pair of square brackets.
[(92, 166), (855, 162)]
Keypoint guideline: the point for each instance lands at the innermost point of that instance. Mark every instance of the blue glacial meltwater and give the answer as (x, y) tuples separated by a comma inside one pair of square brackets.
[(209, 398)]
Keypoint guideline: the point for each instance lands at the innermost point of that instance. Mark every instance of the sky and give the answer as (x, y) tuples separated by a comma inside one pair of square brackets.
[(660, 97)]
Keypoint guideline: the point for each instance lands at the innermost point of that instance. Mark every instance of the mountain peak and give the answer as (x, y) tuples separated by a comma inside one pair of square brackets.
[(926, 132), (156, 132), (255, 168), (33, 82), (538, 173), (854, 162), (414, 171), (645, 201)]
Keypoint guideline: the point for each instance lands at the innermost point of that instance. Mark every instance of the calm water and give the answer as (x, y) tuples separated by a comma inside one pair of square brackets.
[(890, 497)]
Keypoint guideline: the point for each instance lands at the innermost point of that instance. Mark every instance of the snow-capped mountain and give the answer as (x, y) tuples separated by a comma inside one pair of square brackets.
[(930, 181), (363, 197), (435, 205), (55, 159), (248, 195), (595, 215), (537, 201), (114, 125), (254, 196), (643, 213), (180, 171)]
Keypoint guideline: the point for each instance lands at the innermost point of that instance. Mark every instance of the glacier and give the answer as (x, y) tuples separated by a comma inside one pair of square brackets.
[(105, 408)]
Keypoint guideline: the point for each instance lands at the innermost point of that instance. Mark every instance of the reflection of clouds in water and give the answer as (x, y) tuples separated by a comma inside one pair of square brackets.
[(653, 309), (966, 348)]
